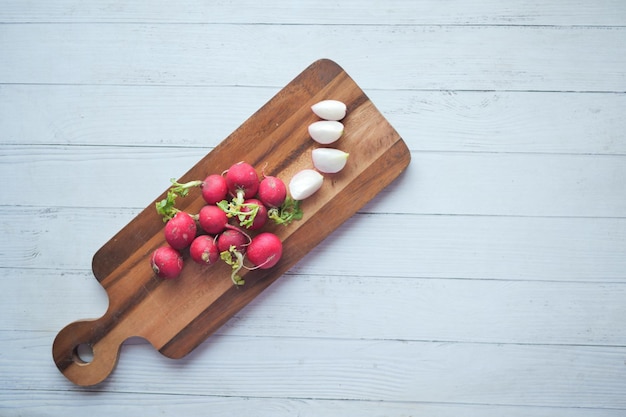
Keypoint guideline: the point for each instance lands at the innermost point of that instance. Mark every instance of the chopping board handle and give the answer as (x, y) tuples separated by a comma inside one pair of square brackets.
[(86, 334)]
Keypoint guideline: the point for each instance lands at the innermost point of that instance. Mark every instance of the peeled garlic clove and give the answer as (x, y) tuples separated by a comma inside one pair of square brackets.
[(326, 131), (330, 109), (329, 160), (305, 183)]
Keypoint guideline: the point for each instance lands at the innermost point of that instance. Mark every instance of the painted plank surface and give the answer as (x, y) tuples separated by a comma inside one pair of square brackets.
[(474, 121), (430, 246), (17, 403), (432, 57), (391, 12), (436, 182), (325, 306), (500, 79), (352, 369)]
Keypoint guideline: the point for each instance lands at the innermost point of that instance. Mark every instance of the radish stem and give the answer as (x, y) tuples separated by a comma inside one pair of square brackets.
[(234, 258), (233, 209), (166, 207), (287, 212)]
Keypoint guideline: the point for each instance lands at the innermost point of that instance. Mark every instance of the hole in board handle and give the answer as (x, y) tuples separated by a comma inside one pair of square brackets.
[(83, 354)]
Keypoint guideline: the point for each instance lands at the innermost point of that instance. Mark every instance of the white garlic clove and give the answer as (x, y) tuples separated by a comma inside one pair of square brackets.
[(305, 183), (330, 109), (326, 131), (329, 160)]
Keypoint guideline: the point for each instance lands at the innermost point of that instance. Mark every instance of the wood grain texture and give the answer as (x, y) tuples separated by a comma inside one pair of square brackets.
[(480, 183), (178, 116), (392, 12), (434, 57), (173, 405), (430, 246), (177, 315), (442, 309), (361, 370)]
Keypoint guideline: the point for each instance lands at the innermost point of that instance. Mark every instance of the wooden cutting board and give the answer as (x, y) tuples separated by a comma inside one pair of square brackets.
[(177, 315)]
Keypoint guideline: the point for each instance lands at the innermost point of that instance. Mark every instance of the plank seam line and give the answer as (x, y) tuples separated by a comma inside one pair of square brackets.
[(320, 399), (369, 339), (276, 87), (158, 147), (318, 24), (87, 271), (51, 209)]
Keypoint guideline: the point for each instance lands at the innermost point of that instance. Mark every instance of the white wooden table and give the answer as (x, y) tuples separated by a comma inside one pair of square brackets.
[(489, 280)]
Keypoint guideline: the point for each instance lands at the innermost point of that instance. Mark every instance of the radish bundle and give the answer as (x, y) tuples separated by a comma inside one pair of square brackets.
[(238, 203)]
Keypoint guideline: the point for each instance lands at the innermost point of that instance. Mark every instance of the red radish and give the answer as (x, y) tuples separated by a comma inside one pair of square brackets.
[(203, 250), (265, 250), (272, 191), (180, 231), (212, 219), (257, 211), (166, 262), (244, 211), (242, 181), (232, 237), (214, 188), (232, 245)]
